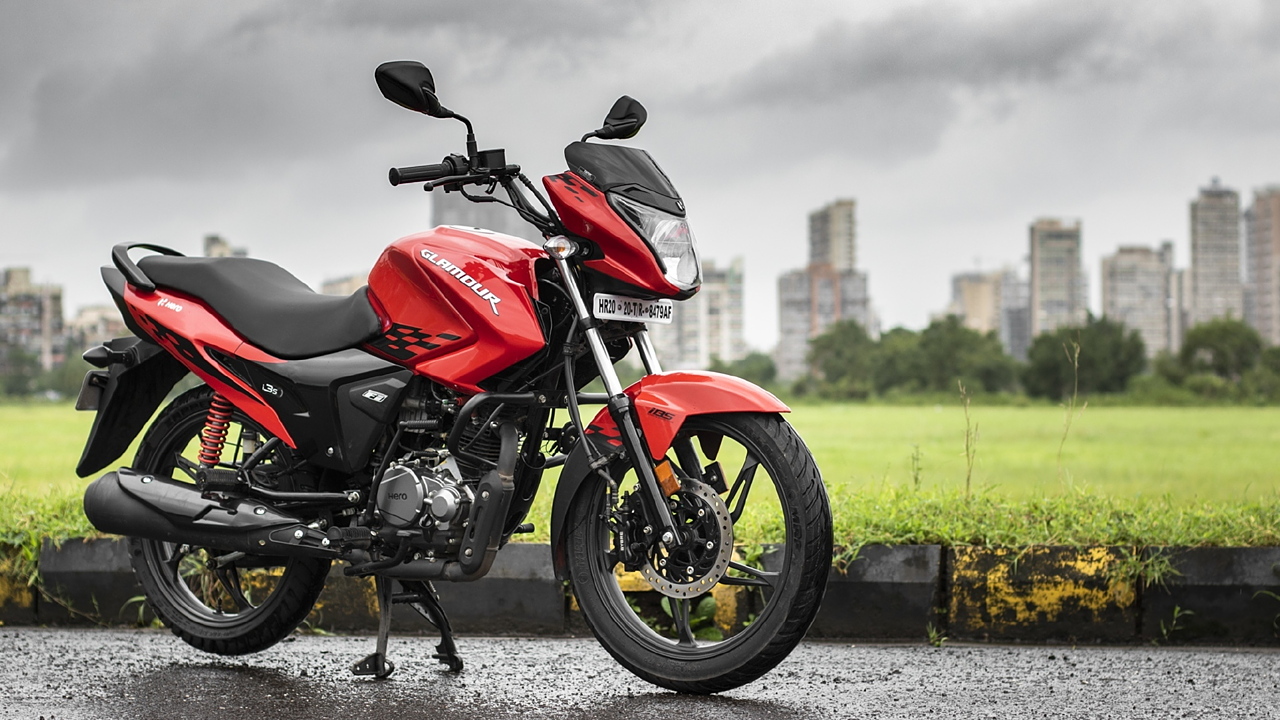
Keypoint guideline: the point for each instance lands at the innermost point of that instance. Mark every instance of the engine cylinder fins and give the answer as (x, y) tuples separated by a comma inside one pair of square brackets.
[(694, 570)]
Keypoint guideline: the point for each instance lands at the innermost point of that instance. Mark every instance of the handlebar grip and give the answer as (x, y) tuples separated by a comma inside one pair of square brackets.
[(419, 173)]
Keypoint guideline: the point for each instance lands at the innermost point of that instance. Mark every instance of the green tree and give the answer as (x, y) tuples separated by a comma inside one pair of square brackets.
[(1225, 347), (1269, 359), (897, 363), (18, 370), (1108, 357), (65, 379), (949, 352), (756, 367), (843, 357)]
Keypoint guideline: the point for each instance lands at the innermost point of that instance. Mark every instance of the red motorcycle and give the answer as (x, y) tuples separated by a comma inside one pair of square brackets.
[(405, 430)]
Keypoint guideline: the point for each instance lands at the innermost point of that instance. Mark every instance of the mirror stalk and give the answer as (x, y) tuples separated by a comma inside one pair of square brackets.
[(473, 150)]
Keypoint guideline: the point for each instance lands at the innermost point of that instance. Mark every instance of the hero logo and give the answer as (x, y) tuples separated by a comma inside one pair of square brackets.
[(374, 395), (168, 304), (464, 278)]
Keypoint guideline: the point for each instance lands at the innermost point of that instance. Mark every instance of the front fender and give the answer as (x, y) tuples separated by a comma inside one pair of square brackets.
[(662, 403)]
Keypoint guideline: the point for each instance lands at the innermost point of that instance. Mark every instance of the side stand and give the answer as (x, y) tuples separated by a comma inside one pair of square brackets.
[(421, 596), (377, 664)]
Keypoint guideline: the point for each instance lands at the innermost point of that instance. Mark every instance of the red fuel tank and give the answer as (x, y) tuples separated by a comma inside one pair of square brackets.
[(459, 302)]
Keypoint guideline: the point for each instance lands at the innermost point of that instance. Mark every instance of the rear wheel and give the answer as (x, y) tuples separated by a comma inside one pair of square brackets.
[(744, 475), (221, 602)]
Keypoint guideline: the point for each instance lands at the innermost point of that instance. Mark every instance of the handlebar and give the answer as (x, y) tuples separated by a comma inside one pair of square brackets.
[(419, 173), (451, 165), (486, 165)]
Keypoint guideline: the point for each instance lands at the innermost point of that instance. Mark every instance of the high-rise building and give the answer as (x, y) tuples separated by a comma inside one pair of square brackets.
[(344, 285), (833, 235), (830, 289), (993, 301), (1057, 279), (31, 318), (216, 246), (1138, 289), (1178, 313), (1262, 263), (1015, 315), (706, 326), (1216, 290), (96, 324), (454, 209), (976, 300)]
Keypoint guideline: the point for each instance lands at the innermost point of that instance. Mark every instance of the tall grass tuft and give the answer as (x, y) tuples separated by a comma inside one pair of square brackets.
[(26, 520)]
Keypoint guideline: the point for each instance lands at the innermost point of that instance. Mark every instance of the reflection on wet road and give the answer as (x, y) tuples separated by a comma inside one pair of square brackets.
[(91, 674)]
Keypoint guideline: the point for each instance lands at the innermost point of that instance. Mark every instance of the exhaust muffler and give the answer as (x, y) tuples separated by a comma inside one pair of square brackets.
[(139, 505)]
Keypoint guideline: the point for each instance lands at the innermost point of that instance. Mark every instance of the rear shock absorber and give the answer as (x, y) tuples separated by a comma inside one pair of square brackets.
[(214, 434)]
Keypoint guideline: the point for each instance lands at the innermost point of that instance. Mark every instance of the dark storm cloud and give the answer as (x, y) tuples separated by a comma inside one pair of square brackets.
[(546, 22), (890, 88), (273, 83)]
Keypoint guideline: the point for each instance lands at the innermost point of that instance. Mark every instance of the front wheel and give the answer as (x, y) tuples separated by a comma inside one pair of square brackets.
[(745, 476)]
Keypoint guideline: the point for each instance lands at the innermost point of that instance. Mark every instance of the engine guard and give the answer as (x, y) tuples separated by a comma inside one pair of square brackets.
[(662, 403)]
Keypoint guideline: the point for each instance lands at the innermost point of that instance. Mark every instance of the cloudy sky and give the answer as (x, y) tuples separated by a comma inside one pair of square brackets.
[(953, 124)]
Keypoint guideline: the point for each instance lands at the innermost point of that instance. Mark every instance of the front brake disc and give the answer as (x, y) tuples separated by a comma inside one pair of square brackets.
[(695, 569)]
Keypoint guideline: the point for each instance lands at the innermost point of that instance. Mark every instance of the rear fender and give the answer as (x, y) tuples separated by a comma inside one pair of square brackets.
[(131, 392), (662, 403)]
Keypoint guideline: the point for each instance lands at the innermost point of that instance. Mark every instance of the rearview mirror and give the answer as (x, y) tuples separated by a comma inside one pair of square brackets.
[(624, 120), (409, 84)]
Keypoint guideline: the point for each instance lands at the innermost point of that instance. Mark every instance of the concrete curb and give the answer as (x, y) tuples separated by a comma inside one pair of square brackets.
[(1089, 594), (1214, 595), (1041, 593), (887, 592)]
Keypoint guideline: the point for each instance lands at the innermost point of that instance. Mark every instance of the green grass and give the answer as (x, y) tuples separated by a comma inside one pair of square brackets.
[(40, 444), (1186, 455), (1140, 476)]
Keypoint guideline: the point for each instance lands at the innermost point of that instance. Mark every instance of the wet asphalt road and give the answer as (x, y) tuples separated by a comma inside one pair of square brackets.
[(92, 674)]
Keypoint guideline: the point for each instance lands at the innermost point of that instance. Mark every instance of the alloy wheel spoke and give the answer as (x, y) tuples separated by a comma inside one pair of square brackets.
[(182, 463), (737, 499), (680, 611), (762, 578), (175, 558), (710, 443), (229, 579)]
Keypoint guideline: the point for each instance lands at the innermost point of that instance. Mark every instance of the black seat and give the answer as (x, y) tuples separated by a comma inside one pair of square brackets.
[(267, 305)]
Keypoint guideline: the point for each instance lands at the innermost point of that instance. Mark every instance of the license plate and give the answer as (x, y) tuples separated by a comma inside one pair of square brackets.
[(618, 307)]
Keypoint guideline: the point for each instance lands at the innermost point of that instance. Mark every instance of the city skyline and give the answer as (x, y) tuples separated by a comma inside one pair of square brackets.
[(953, 124), (825, 224)]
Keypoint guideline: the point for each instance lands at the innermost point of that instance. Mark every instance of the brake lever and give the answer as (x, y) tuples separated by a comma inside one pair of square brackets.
[(454, 180)]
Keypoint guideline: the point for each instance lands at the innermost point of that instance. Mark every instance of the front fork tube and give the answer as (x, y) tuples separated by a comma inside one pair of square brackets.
[(622, 411), (648, 355)]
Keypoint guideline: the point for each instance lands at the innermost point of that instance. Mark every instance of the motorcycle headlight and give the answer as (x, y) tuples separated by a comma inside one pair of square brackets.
[(670, 239)]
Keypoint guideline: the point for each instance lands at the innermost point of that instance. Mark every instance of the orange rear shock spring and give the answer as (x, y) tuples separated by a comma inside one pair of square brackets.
[(214, 435)]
